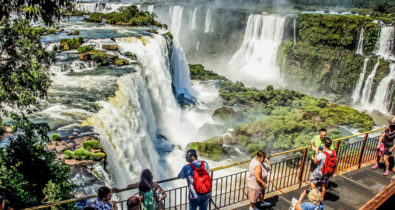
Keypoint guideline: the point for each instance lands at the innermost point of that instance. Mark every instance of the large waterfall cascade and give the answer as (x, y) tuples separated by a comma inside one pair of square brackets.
[(207, 23), (151, 8), (357, 91), (359, 49), (193, 19), (367, 89), (256, 58), (382, 98)]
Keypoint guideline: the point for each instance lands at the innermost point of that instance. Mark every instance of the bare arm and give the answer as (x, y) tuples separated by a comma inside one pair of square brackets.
[(298, 205), (312, 146), (315, 160), (258, 173), (162, 192)]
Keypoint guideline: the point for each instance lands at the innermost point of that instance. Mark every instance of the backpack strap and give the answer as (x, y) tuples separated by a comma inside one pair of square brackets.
[(327, 154), (202, 164), (193, 166)]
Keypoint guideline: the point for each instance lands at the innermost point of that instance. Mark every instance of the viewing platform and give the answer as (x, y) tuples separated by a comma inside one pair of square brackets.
[(354, 186)]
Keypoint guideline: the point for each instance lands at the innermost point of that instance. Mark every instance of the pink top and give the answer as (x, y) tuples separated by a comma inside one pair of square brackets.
[(251, 180)]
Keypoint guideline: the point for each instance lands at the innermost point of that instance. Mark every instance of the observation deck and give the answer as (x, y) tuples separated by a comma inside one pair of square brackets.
[(354, 186)]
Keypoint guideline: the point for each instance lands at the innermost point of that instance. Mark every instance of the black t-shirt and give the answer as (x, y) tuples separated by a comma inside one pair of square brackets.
[(389, 137)]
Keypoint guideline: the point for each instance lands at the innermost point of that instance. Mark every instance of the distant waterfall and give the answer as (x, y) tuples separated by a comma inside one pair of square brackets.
[(176, 20), (359, 49), (368, 86), (386, 42), (294, 24), (193, 19), (150, 8), (102, 7), (382, 98), (207, 22), (256, 58), (357, 91)]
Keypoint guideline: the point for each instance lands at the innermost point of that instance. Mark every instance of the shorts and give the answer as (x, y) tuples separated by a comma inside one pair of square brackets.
[(255, 194), (317, 177), (387, 151)]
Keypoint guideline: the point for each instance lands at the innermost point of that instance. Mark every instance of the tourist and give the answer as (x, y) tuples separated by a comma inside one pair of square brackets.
[(103, 199), (326, 165), (257, 179), (148, 189), (199, 190), (317, 142), (387, 139), (134, 203), (314, 203)]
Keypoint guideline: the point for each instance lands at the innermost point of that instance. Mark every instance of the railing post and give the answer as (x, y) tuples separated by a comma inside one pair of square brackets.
[(302, 167), (337, 147), (212, 177), (362, 150)]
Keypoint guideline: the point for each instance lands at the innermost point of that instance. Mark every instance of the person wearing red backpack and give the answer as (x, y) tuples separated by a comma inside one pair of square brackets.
[(326, 165), (198, 179)]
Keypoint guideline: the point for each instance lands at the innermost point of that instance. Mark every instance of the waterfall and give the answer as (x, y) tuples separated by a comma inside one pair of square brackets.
[(357, 91), (386, 42), (359, 49), (207, 22), (294, 23), (181, 78), (126, 124), (176, 20), (368, 85), (193, 20), (256, 58), (382, 98), (138, 7), (151, 8)]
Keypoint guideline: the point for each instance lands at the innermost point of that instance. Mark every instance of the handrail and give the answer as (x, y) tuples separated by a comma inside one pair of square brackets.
[(135, 185)]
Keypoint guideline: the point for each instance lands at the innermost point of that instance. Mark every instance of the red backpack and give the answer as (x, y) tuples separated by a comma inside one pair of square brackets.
[(201, 179), (329, 166)]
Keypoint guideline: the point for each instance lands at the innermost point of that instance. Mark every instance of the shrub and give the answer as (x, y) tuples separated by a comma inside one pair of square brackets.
[(14, 128), (95, 17), (130, 55), (55, 137), (91, 144), (75, 32), (51, 31), (81, 154), (121, 62), (84, 49), (70, 44), (68, 154), (252, 148), (97, 156), (169, 35)]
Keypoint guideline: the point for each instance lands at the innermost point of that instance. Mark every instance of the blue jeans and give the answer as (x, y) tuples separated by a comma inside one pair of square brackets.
[(201, 202)]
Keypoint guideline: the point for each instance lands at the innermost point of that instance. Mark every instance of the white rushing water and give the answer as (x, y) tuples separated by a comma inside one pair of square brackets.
[(367, 89), (151, 8), (102, 7), (255, 61), (207, 22), (294, 24), (382, 98), (357, 91), (193, 19), (359, 49), (386, 42), (176, 20)]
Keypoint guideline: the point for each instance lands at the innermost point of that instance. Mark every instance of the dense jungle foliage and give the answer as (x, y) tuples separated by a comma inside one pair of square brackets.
[(129, 16), (275, 119)]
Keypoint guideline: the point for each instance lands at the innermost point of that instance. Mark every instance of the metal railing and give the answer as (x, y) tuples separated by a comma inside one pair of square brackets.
[(231, 189)]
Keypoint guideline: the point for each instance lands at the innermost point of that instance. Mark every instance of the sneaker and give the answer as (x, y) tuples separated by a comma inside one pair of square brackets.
[(386, 173), (375, 167), (265, 204)]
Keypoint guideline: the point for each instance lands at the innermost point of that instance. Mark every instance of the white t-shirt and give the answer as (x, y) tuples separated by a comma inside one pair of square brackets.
[(321, 160)]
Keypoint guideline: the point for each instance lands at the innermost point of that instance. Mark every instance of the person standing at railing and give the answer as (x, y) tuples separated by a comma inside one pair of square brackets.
[(387, 139), (198, 180), (257, 179), (326, 165), (317, 142), (102, 202), (148, 189)]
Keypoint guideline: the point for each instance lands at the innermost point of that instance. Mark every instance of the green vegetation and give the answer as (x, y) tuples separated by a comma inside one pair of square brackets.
[(283, 119), (91, 144), (84, 49), (55, 137), (100, 57), (83, 154), (198, 72), (129, 16), (112, 47), (169, 35), (130, 55), (70, 44), (75, 32), (121, 62)]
